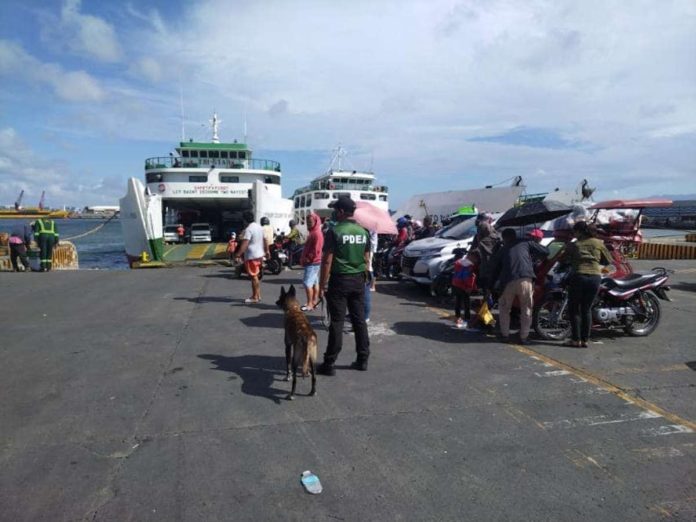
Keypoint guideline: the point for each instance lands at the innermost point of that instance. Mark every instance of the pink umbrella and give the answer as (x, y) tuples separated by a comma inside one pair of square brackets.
[(373, 218)]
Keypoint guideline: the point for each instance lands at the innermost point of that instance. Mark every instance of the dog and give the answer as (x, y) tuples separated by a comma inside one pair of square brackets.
[(300, 340)]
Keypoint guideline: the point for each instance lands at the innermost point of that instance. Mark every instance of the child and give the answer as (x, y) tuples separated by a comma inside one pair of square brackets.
[(232, 245), (463, 283)]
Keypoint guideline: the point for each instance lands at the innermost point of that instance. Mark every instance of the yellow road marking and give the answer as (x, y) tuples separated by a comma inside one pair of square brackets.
[(611, 388), (197, 252), (594, 379)]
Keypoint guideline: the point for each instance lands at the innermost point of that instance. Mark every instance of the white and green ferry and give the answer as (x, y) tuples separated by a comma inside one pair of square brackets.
[(204, 182)]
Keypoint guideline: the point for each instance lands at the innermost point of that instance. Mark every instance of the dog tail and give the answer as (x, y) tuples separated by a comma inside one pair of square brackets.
[(310, 353)]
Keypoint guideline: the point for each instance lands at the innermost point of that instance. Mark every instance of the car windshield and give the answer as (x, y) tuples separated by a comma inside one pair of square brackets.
[(199, 228), (170, 228), (463, 230)]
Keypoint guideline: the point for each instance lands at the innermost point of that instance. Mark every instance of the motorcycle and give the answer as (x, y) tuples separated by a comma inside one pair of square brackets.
[(631, 303), (278, 259)]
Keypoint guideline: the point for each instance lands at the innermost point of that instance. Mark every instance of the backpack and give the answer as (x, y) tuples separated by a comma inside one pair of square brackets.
[(464, 275)]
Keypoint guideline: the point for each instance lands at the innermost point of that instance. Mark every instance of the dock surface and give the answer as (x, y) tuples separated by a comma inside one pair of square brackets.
[(158, 395)]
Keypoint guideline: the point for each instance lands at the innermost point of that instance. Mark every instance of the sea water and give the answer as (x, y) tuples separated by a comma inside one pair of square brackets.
[(102, 249)]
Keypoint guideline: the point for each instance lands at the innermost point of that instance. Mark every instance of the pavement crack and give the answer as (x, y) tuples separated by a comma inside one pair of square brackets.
[(108, 492)]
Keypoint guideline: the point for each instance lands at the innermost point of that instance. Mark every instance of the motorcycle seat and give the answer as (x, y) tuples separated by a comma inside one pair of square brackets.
[(630, 281)]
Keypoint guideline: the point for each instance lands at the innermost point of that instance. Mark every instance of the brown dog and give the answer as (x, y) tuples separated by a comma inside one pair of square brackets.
[(300, 340)]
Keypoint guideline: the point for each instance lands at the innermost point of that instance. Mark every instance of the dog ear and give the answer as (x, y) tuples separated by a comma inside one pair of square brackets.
[(282, 291), (291, 292)]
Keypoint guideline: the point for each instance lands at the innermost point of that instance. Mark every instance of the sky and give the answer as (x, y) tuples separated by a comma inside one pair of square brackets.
[(431, 95)]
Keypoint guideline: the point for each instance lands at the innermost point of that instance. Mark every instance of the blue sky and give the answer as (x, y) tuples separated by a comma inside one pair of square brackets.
[(434, 95)]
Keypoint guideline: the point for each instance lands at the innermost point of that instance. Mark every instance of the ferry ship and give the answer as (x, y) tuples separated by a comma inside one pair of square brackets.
[(205, 182), (359, 185)]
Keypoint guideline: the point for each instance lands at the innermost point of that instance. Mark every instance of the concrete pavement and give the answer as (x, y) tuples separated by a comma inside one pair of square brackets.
[(158, 395)]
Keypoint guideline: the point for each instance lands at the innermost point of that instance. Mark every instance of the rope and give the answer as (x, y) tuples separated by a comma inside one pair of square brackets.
[(95, 229)]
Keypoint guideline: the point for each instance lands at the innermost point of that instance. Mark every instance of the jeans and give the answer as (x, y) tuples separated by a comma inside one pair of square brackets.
[(582, 290), (346, 291)]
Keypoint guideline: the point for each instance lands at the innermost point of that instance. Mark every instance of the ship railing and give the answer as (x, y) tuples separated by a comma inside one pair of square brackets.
[(329, 185), (167, 162)]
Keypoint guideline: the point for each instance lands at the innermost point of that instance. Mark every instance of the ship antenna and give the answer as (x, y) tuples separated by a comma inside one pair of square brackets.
[(245, 125), (215, 122)]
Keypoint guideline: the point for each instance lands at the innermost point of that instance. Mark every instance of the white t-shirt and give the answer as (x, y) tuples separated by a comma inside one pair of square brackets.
[(254, 233)]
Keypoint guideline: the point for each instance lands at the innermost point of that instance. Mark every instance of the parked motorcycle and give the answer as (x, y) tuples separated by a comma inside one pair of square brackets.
[(631, 303), (277, 261)]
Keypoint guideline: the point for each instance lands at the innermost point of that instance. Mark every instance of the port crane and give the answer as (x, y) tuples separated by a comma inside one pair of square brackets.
[(18, 203)]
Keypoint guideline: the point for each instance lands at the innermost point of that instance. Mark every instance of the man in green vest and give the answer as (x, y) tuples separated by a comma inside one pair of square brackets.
[(46, 235), (344, 271)]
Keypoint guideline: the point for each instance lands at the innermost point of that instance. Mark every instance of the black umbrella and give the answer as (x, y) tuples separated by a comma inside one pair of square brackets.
[(535, 212)]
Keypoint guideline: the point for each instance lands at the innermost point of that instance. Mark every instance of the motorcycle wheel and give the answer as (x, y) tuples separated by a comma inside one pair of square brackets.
[(551, 319), (273, 267), (651, 314)]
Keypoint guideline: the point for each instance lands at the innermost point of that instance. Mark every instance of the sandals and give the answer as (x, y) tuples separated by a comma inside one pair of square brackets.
[(306, 308)]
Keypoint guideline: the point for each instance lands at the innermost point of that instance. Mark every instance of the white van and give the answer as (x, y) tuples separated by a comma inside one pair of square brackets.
[(201, 233)]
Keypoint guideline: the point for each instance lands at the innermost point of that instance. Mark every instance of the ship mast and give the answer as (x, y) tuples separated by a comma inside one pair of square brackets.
[(215, 122)]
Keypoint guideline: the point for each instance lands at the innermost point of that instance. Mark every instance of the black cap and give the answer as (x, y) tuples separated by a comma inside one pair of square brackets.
[(343, 203)]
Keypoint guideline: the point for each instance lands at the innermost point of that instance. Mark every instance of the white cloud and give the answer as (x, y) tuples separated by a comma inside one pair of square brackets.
[(148, 68), (22, 168), (89, 35), (74, 86)]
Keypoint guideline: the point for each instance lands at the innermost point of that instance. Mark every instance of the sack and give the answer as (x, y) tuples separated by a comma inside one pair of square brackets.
[(484, 315)]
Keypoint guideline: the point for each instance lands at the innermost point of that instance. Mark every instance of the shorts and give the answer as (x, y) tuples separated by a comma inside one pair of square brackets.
[(311, 275), (253, 266)]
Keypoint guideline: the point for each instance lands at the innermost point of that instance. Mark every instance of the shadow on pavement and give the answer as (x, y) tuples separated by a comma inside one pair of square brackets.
[(439, 331), (258, 373), (266, 320), (684, 287)]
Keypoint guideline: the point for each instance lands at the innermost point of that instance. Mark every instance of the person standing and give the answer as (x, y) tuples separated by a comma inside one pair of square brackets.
[(180, 233), (311, 260), (513, 268), (463, 284), (46, 234), (585, 256), (20, 239), (344, 273), (487, 242), (252, 247), (267, 235)]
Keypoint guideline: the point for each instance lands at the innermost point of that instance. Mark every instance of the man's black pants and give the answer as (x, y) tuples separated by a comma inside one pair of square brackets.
[(46, 244), (347, 291)]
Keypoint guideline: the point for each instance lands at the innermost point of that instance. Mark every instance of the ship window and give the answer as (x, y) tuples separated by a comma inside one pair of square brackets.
[(337, 194), (242, 154), (184, 153), (382, 197), (203, 153), (367, 195), (309, 200), (297, 202), (223, 154), (153, 177), (302, 201), (194, 153), (233, 154), (229, 179), (321, 195), (214, 154), (198, 179)]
